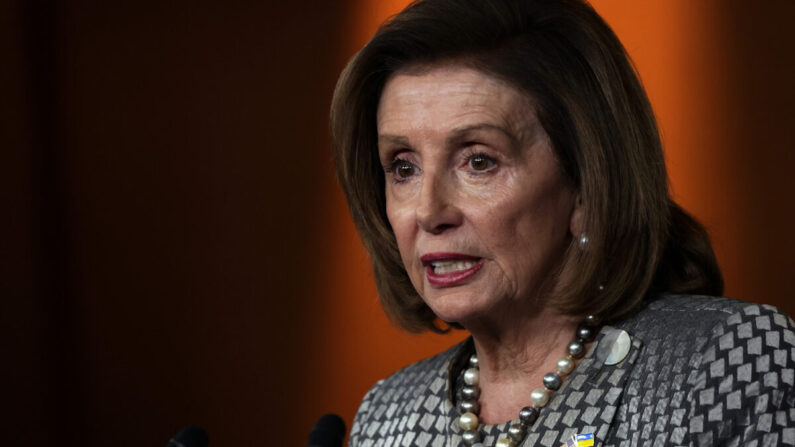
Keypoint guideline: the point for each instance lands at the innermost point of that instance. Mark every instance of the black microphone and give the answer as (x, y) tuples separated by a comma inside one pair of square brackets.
[(329, 431), (190, 437)]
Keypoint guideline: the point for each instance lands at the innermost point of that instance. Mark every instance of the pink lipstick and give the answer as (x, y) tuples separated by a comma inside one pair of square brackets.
[(450, 269)]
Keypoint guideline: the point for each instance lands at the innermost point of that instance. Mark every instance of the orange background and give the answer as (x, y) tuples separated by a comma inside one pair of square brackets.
[(176, 249)]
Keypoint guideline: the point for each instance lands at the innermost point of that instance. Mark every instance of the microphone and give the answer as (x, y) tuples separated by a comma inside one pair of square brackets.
[(329, 431), (190, 437)]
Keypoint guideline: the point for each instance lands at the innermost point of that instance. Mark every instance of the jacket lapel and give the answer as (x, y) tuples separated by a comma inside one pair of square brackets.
[(590, 396)]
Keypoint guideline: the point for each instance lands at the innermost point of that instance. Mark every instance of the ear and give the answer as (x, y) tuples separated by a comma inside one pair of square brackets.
[(576, 224)]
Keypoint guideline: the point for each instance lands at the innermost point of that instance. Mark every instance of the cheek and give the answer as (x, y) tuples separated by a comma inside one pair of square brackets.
[(402, 227), (545, 225), (535, 216)]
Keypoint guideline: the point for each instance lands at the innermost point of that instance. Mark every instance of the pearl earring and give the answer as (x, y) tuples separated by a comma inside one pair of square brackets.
[(583, 242)]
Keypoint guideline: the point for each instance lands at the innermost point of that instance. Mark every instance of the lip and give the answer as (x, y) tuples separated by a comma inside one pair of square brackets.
[(453, 278)]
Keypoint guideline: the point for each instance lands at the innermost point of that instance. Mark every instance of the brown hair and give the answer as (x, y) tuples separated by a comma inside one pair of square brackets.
[(596, 113)]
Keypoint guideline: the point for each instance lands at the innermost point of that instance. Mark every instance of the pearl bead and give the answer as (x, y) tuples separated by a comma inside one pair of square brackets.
[(592, 320), (470, 437), (470, 393), (539, 397), (528, 415), (468, 421), (552, 381), (586, 333), (473, 360), (576, 349), (516, 432), (505, 442), (468, 406), (472, 376), (565, 366)]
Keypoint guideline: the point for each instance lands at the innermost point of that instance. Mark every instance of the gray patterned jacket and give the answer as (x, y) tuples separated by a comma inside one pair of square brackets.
[(701, 371)]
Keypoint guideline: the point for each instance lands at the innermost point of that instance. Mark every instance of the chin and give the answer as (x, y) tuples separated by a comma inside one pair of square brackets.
[(455, 307)]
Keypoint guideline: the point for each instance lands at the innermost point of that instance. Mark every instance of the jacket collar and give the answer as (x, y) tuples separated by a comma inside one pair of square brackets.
[(588, 400), (586, 403)]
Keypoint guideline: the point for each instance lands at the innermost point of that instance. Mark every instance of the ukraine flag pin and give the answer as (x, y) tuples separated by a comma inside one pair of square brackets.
[(582, 440)]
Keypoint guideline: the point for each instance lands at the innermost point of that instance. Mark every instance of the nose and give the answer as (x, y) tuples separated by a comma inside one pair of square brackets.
[(436, 208)]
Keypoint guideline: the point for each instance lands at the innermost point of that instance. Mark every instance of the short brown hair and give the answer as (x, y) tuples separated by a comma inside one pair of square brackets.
[(591, 104)]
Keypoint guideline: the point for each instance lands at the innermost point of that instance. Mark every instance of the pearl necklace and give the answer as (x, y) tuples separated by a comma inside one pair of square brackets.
[(469, 407)]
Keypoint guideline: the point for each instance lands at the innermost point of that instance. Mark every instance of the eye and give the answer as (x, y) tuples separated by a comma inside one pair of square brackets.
[(402, 169), (405, 169), (480, 162)]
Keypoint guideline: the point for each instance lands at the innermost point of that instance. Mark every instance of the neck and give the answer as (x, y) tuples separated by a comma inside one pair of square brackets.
[(514, 357)]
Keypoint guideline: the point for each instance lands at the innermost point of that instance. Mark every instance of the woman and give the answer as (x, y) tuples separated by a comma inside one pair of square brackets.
[(503, 166)]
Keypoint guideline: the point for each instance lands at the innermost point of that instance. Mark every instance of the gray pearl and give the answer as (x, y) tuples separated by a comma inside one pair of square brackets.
[(552, 381), (576, 349), (468, 406), (528, 415), (586, 333), (593, 320), (473, 360), (470, 393), (470, 437), (516, 432)]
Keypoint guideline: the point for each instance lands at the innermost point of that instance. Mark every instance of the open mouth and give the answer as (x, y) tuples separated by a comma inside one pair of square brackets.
[(452, 265), (450, 269)]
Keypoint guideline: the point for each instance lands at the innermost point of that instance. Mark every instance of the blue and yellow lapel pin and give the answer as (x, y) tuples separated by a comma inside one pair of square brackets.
[(583, 440)]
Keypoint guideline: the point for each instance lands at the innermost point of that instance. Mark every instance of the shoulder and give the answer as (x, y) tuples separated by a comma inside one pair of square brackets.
[(728, 339), (719, 369), (423, 384), (705, 316), (414, 379)]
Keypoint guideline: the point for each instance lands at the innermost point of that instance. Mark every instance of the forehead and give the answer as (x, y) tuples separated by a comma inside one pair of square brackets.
[(451, 95)]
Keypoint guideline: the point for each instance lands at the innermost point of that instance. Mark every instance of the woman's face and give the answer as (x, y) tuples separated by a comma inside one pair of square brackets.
[(480, 208)]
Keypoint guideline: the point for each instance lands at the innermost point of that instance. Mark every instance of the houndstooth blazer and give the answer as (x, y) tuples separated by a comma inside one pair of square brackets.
[(701, 371)]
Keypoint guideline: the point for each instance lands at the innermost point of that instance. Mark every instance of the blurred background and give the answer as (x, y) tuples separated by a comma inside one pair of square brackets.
[(175, 249)]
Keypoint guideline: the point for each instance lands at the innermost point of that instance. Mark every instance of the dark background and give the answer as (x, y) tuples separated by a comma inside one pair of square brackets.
[(175, 249)]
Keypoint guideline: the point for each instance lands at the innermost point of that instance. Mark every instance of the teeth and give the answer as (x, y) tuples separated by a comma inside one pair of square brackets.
[(442, 267)]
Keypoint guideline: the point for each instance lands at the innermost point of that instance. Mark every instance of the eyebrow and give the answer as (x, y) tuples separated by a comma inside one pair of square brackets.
[(460, 133), (456, 135), (394, 139)]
